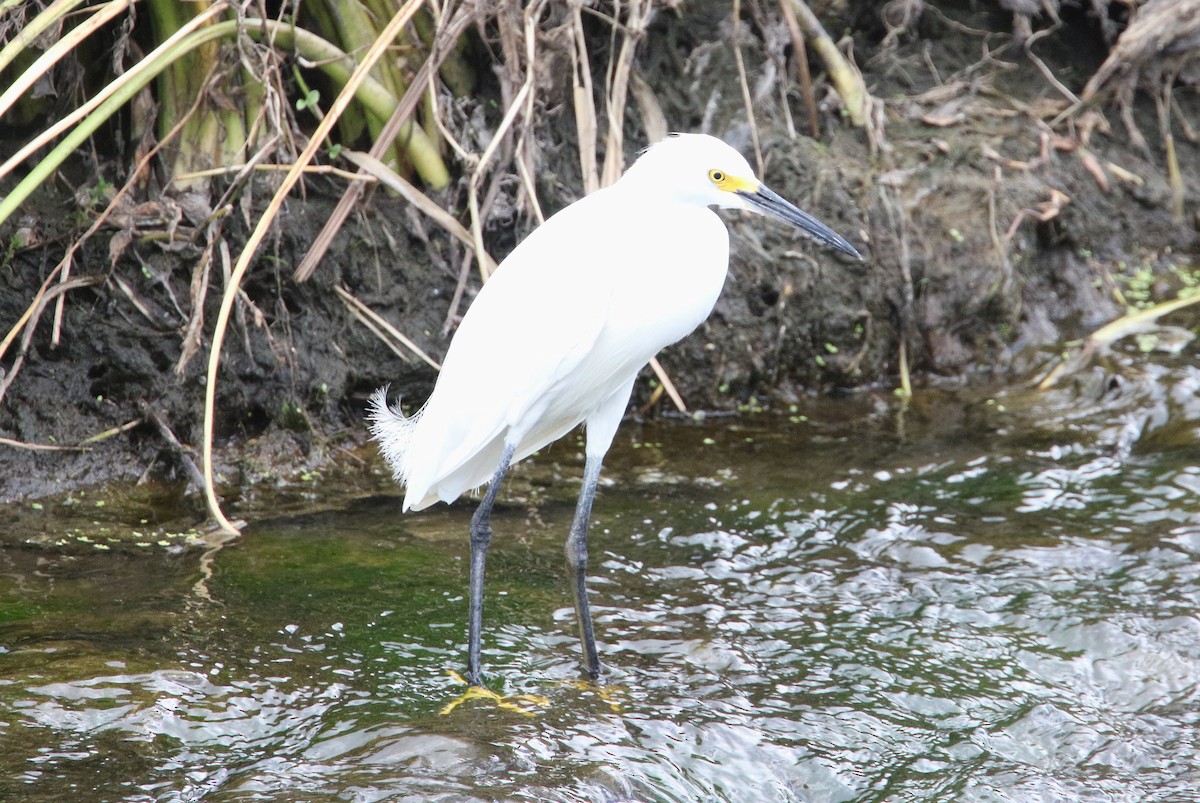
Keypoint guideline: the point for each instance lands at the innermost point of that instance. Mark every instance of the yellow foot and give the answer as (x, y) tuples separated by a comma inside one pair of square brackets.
[(524, 704), (612, 696)]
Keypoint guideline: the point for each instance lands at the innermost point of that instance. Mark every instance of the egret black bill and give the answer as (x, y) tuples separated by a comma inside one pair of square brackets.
[(769, 202)]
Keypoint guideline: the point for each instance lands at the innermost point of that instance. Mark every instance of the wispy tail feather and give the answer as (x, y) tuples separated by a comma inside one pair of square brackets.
[(394, 431)]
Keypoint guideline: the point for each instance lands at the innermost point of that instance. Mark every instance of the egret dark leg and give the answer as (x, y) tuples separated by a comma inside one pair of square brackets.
[(481, 538), (577, 557)]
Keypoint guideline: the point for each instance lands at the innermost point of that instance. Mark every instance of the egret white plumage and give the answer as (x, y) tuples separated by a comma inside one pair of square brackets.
[(559, 333)]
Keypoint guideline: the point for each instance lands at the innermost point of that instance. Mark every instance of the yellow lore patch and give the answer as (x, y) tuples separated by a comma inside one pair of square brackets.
[(730, 183)]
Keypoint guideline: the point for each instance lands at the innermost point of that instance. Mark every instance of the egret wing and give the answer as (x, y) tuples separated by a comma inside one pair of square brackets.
[(530, 327)]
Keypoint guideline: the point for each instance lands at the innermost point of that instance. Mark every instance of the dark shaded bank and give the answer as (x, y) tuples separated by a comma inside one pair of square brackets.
[(992, 234)]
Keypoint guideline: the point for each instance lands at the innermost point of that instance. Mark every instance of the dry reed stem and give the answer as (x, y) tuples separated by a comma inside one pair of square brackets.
[(744, 83), (29, 313), (654, 121), (29, 320), (41, 447), (668, 385), (195, 477), (846, 78), (391, 30), (100, 16), (193, 336), (1189, 130), (45, 19), (460, 287), (1111, 332), (379, 326), (112, 432), (134, 299), (999, 244), (522, 157), (800, 57), (254, 164), (584, 103), (897, 213), (444, 41), (1162, 102), (617, 88), (394, 181), (485, 266)]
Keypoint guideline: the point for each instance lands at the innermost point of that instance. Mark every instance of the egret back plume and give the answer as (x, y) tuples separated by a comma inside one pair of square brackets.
[(393, 430)]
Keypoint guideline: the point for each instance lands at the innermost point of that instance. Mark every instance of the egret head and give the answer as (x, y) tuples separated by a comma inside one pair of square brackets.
[(703, 170)]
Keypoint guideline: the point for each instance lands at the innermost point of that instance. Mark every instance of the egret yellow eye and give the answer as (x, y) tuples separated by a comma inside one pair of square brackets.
[(716, 177)]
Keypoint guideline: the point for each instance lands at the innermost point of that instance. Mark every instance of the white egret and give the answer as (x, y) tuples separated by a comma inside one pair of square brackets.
[(558, 334)]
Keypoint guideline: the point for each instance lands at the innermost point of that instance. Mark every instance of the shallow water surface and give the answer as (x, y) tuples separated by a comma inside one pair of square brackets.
[(974, 600)]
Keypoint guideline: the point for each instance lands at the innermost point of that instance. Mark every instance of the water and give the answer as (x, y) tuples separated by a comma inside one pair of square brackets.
[(974, 600)]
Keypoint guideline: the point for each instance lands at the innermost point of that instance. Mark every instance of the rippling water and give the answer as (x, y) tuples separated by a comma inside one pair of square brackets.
[(975, 600)]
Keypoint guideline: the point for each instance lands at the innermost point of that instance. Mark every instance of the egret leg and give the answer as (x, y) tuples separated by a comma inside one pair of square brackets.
[(601, 427), (577, 558), (481, 539)]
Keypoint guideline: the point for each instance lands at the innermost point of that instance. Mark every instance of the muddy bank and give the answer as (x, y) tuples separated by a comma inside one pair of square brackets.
[(992, 234)]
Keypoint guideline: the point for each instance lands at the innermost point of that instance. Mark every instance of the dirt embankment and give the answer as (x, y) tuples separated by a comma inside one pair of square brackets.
[(994, 225)]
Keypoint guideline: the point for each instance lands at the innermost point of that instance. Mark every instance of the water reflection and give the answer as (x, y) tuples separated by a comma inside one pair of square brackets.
[(828, 612)]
